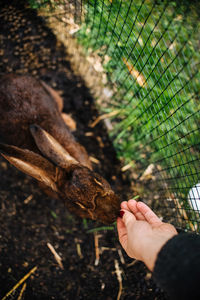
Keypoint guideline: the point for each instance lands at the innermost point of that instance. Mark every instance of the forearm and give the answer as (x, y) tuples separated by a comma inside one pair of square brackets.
[(177, 267)]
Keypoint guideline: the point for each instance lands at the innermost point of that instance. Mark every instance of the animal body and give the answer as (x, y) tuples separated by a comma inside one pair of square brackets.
[(35, 138)]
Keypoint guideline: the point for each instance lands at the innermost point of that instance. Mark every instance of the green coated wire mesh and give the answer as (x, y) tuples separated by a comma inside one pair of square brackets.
[(149, 50)]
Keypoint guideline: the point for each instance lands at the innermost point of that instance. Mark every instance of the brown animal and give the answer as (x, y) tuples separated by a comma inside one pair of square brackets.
[(35, 139)]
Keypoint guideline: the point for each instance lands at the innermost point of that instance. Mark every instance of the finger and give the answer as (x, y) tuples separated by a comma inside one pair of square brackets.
[(128, 219), (149, 215), (132, 204), (124, 205), (139, 216), (122, 232), (121, 226)]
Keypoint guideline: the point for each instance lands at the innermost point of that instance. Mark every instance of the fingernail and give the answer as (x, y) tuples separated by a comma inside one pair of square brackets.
[(121, 213)]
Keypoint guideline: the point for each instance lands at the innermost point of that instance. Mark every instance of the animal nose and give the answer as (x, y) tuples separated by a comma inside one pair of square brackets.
[(110, 218), (108, 211)]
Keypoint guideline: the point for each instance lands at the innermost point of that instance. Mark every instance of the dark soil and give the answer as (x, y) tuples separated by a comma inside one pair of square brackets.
[(28, 218)]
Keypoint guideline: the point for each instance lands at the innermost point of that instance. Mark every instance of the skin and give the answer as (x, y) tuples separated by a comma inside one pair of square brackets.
[(141, 233)]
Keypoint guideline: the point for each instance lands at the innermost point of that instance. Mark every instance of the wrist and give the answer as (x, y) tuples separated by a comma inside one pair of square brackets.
[(150, 256), (152, 250)]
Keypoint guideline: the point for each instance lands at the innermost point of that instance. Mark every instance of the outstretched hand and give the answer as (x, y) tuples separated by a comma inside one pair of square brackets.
[(141, 233)]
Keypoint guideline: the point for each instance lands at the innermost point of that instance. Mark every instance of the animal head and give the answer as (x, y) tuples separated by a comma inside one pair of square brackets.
[(85, 193)]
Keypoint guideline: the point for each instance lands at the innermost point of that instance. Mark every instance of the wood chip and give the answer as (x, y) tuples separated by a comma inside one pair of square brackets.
[(121, 256), (119, 278), (56, 256), (104, 116), (94, 160), (99, 139), (127, 167), (89, 133), (108, 124), (102, 249), (132, 263), (78, 248), (96, 245), (28, 199), (103, 286), (22, 291), (20, 283), (148, 173), (136, 75)]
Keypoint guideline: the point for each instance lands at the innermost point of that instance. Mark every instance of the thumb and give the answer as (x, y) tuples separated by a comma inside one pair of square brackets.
[(128, 218)]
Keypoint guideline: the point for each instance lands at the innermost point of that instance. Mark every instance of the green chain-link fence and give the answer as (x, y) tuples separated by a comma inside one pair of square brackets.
[(150, 52)]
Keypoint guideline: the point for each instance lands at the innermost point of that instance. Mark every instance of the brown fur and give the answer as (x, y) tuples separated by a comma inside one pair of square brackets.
[(24, 101)]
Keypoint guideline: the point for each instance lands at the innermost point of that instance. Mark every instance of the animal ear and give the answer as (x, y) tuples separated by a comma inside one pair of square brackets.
[(31, 163), (50, 148)]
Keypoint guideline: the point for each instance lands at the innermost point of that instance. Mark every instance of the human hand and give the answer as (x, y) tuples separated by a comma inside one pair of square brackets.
[(141, 233)]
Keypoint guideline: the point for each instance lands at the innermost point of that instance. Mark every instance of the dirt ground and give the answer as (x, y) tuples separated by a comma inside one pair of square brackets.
[(29, 220)]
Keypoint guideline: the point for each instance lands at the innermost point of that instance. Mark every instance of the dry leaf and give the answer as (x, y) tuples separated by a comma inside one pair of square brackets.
[(96, 63), (107, 92), (148, 173), (172, 46), (73, 27), (106, 59), (137, 75)]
